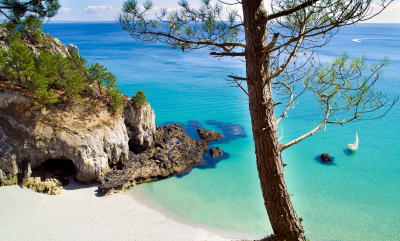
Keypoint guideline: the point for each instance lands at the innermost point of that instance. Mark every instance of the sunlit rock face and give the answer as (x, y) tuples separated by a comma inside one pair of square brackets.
[(140, 121), (31, 135)]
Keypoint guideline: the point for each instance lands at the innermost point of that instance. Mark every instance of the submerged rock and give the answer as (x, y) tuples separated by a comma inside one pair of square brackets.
[(325, 157), (171, 152), (209, 135), (216, 152)]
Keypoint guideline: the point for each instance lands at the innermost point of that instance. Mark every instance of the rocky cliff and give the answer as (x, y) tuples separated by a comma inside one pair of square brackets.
[(42, 143), (171, 152), (91, 137), (140, 122)]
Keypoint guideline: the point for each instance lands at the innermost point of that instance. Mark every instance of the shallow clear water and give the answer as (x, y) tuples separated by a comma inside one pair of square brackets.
[(355, 198)]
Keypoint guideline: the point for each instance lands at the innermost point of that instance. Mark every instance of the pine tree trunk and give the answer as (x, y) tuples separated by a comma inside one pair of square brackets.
[(99, 84), (282, 216)]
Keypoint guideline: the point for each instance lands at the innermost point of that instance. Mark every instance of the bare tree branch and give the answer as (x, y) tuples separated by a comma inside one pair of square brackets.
[(238, 83), (290, 11), (237, 78), (297, 140), (288, 104), (228, 54), (271, 44)]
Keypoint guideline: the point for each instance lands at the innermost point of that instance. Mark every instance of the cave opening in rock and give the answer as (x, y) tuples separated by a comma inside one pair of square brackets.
[(61, 169)]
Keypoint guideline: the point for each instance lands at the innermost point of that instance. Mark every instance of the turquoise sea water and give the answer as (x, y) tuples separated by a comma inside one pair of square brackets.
[(355, 198)]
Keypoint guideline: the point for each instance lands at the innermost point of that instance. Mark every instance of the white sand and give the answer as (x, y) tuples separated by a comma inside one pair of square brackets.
[(78, 214)]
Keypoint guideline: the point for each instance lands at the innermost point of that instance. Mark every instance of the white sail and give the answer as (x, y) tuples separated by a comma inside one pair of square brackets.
[(356, 141), (354, 146)]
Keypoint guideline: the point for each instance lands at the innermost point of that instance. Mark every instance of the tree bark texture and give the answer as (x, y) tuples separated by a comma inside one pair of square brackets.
[(282, 216)]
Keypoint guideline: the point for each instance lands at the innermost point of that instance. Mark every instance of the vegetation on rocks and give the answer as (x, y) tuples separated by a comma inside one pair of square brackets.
[(27, 60), (139, 99)]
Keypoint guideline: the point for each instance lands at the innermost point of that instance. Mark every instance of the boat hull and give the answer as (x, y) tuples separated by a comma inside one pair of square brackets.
[(352, 147)]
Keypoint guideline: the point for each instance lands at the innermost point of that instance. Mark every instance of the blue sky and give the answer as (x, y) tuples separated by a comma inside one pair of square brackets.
[(107, 10)]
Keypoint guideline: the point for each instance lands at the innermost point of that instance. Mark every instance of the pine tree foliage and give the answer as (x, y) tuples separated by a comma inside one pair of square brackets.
[(116, 98), (139, 99), (15, 10), (32, 25), (99, 74), (47, 73), (20, 64), (109, 82)]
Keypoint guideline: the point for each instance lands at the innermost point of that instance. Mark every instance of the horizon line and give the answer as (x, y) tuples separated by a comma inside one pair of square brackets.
[(115, 21)]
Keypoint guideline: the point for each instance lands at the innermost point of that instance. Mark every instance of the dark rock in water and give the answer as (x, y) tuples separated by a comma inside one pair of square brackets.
[(209, 135), (325, 157), (171, 152), (216, 152)]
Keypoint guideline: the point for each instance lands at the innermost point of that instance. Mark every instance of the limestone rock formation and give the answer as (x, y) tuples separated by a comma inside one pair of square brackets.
[(55, 45), (73, 49), (141, 125), (93, 140), (49, 42), (216, 152), (325, 157), (172, 151), (209, 135)]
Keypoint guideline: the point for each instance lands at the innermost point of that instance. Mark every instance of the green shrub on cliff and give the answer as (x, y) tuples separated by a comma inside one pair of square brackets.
[(98, 74), (2, 59), (13, 34), (20, 64), (116, 99), (46, 66), (72, 86), (51, 77), (139, 99), (32, 25), (110, 82)]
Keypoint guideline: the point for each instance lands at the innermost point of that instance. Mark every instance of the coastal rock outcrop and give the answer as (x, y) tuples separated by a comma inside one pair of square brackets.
[(214, 152), (93, 139), (172, 151), (209, 135), (325, 157), (73, 49), (89, 133), (140, 122), (55, 45)]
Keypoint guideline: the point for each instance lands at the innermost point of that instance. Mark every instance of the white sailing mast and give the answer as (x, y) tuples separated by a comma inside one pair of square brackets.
[(354, 146)]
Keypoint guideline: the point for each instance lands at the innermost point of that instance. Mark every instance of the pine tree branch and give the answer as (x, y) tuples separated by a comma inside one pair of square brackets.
[(297, 140), (290, 11), (238, 83), (291, 56), (288, 104), (227, 54), (271, 44), (238, 78)]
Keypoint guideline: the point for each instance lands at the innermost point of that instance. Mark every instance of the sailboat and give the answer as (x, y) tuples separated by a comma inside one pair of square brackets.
[(354, 146)]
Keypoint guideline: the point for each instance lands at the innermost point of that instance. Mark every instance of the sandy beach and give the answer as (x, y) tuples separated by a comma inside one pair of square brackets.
[(79, 214)]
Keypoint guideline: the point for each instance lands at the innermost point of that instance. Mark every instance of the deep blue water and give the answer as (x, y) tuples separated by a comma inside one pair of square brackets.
[(355, 198)]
